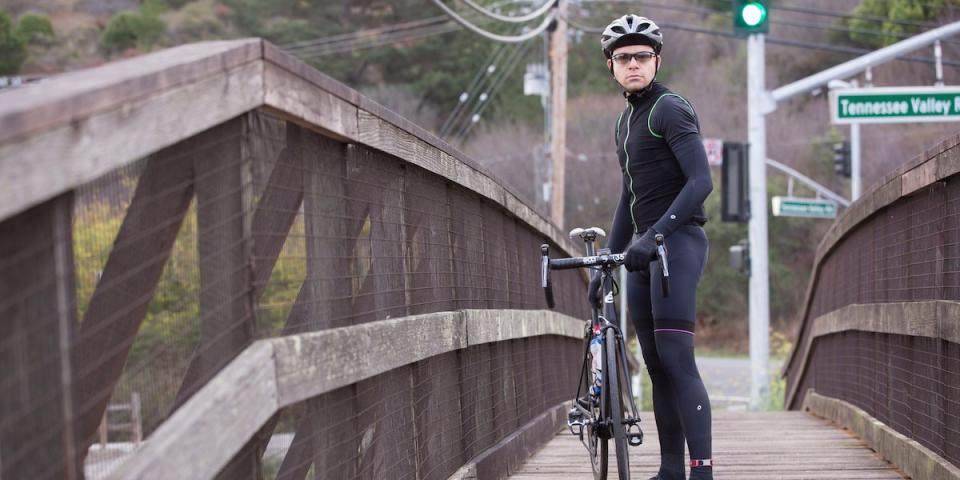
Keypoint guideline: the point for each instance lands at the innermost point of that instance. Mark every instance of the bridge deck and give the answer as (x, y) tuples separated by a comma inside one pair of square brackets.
[(755, 445)]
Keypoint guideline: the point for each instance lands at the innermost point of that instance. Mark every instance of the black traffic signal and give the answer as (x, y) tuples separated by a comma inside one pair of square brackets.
[(750, 16), (841, 158), (734, 204)]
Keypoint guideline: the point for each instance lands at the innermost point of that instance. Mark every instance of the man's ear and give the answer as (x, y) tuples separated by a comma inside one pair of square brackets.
[(610, 65), (659, 58)]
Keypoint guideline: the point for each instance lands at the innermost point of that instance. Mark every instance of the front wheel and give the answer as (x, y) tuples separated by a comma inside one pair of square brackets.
[(615, 369)]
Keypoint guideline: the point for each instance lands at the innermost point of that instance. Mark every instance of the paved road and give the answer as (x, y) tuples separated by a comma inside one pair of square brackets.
[(728, 380)]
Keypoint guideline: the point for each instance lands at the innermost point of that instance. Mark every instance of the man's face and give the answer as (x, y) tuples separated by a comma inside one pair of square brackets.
[(636, 73)]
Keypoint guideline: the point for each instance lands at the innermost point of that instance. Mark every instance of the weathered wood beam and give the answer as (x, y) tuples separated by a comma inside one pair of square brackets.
[(278, 372), (130, 276), (176, 98), (37, 323)]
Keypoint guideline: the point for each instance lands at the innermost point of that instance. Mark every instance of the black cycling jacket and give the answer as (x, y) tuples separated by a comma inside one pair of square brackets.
[(666, 177)]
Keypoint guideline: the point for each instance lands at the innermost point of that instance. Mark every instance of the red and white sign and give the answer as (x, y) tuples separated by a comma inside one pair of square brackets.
[(714, 148)]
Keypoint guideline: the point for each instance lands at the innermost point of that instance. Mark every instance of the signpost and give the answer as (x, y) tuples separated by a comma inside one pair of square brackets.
[(895, 105), (804, 207)]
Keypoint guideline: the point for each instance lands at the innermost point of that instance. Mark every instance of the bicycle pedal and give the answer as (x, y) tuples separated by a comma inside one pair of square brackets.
[(635, 439)]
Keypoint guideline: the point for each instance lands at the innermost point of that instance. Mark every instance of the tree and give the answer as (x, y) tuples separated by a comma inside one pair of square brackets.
[(892, 19), (129, 29), (13, 49), (35, 28)]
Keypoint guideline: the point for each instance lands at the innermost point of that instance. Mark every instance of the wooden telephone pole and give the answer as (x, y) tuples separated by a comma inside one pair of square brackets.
[(558, 102)]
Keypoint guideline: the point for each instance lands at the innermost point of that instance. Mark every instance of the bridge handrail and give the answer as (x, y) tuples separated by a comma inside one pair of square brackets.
[(934, 165), (61, 133), (277, 372)]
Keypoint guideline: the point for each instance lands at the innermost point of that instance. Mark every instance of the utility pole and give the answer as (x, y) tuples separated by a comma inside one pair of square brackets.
[(759, 256), (558, 111)]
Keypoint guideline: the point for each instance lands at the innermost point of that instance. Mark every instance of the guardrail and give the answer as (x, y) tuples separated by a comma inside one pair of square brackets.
[(881, 323), (161, 214)]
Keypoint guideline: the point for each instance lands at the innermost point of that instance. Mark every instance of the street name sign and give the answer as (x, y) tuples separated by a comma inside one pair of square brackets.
[(804, 207), (895, 105)]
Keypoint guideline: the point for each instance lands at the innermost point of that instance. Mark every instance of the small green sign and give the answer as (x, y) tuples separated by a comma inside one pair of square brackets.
[(895, 105), (804, 207)]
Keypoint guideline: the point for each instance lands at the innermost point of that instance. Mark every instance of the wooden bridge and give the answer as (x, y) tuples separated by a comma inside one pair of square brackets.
[(301, 284)]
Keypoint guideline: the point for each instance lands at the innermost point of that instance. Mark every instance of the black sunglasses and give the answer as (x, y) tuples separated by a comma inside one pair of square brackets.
[(640, 57)]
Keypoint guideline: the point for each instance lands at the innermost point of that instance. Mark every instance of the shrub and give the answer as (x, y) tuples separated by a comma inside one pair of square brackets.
[(35, 28), (127, 30), (13, 50)]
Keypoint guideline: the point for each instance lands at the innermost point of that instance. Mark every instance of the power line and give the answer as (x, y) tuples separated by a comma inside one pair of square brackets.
[(771, 40), (364, 43), (506, 18), (489, 67), (791, 23), (365, 33), (547, 20), (519, 53)]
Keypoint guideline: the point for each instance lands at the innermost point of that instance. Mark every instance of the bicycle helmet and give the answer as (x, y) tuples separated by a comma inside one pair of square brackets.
[(631, 30)]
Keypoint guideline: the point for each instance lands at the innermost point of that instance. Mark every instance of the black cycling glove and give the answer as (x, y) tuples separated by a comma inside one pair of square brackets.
[(641, 252)]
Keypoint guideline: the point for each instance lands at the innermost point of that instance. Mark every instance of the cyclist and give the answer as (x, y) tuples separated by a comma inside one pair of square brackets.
[(665, 182)]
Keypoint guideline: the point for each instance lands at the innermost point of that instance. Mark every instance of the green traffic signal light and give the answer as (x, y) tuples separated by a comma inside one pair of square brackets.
[(749, 16), (753, 14)]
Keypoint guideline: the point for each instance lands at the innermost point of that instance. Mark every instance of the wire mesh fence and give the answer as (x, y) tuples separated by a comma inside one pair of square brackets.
[(149, 280), (908, 251)]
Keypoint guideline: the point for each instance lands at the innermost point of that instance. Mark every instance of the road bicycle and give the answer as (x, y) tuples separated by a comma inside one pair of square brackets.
[(598, 415)]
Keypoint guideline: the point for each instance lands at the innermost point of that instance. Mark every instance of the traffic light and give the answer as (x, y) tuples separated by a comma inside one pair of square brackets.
[(750, 16), (734, 201), (841, 158)]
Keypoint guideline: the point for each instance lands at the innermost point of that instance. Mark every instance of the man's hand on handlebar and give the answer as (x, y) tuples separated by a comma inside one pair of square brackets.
[(641, 252)]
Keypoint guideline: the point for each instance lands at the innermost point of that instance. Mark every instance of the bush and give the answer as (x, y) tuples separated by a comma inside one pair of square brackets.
[(35, 28), (13, 50), (127, 30)]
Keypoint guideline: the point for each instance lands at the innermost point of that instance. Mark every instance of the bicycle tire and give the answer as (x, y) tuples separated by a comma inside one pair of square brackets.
[(600, 451), (615, 414)]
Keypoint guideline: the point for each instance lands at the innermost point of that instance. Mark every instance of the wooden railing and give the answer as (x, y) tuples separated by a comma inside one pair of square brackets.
[(881, 324), (259, 249)]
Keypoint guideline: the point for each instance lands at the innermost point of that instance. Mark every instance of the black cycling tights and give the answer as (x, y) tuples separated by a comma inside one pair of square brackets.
[(665, 330)]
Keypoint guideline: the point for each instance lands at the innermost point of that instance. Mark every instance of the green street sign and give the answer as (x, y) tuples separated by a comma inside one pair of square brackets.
[(895, 105), (804, 207)]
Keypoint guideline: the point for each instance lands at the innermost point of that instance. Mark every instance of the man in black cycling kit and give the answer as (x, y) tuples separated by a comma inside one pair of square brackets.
[(665, 182)]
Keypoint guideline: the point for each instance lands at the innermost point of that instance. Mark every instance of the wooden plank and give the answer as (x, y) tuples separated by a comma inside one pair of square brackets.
[(932, 319), (297, 98), (226, 310), (33, 167), (317, 362), (37, 323), (437, 403), (485, 326), (123, 293), (745, 445), (278, 208), (428, 252), (387, 427), (77, 95), (234, 405), (916, 460)]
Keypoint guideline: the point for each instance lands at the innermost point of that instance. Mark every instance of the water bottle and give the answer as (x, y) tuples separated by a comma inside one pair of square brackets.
[(596, 345)]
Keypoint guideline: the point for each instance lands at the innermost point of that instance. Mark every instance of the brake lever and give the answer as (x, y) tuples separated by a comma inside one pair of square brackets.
[(545, 275), (664, 266)]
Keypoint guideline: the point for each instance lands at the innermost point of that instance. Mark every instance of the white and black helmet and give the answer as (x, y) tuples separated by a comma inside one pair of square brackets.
[(631, 30)]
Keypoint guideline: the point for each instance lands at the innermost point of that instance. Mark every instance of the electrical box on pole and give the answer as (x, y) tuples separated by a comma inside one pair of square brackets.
[(750, 16), (841, 158), (734, 186)]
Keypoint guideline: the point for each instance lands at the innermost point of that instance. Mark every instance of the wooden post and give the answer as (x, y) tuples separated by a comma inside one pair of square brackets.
[(558, 101), (140, 252), (37, 324)]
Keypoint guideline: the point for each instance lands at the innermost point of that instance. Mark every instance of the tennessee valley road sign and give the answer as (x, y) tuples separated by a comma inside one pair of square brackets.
[(895, 105)]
